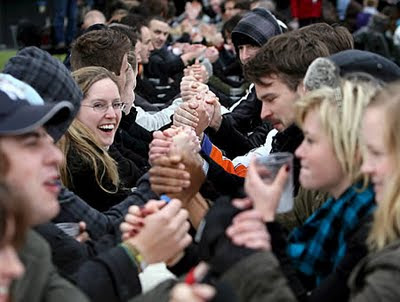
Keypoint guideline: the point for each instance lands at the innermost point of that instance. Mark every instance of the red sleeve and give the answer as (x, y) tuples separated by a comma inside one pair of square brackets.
[(294, 8)]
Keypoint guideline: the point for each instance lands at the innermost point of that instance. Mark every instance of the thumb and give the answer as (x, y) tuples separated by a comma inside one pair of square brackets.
[(211, 101), (193, 104), (82, 226)]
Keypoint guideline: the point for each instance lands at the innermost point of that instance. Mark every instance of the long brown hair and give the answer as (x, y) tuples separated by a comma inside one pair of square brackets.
[(12, 208), (80, 138)]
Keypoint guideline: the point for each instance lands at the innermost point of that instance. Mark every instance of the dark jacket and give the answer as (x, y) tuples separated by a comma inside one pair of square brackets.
[(376, 277), (288, 141), (104, 273), (98, 224), (132, 140), (156, 94), (163, 64), (241, 130), (84, 184), (41, 282)]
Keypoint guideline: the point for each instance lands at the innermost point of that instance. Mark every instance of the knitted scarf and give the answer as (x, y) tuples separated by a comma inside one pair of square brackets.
[(318, 246)]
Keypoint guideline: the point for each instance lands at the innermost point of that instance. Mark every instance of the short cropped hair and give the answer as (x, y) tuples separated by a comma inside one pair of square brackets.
[(336, 38), (105, 48)]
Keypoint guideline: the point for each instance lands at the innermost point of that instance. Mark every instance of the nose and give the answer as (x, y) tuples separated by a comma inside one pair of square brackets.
[(110, 113), (366, 167), (243, 54), (299, 151), (151, 47), (54, 154), (14, 267), (266, 112)]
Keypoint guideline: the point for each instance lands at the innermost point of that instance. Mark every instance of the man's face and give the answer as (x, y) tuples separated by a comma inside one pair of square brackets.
[(216, 6), (146, 45), (247, 52), (277, 101), (230, 10), (130, 89), (123, 71), (33, 171), (159, 33)]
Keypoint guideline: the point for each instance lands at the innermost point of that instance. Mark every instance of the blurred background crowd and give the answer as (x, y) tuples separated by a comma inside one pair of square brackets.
[(53, 25)]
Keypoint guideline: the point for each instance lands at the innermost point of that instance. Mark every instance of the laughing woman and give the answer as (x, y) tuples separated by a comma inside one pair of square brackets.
[(377, 277), (94, 169)]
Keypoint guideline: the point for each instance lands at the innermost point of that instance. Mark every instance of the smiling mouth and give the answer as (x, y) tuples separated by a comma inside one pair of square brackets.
[(107, 128)]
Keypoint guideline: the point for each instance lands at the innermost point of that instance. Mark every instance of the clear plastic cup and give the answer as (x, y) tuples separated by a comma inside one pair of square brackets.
[(268, 167)]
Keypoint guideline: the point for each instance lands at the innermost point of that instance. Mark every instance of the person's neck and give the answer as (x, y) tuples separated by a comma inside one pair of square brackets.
[(340, 188)]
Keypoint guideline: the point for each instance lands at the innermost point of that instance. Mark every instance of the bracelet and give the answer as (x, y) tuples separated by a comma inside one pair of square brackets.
[(135, 255)]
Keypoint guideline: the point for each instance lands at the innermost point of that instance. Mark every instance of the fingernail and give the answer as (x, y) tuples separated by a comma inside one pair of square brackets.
[(287, 168)]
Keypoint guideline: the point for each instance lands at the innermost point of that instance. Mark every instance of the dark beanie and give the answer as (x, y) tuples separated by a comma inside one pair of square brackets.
[(50, 78), (255, 28)]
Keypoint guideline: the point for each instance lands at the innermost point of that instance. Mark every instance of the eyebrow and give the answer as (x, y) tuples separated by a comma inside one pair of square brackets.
[(34, 133), (267, 95), (104, 101)]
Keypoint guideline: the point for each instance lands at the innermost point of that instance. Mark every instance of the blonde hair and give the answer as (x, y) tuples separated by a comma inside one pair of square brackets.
[(83, 140), (386, 226), (340, 112)]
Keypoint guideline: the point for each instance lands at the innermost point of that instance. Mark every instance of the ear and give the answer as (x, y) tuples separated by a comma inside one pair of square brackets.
[(301, 89)]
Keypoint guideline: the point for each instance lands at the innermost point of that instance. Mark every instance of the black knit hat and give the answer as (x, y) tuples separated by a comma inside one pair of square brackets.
[(255, 28), (50, 78)]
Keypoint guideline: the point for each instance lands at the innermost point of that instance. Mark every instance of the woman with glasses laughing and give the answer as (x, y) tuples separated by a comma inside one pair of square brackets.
[(94, 169)]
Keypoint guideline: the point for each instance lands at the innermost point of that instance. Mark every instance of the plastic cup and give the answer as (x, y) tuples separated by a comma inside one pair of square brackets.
[(268, 167), (70, 228)]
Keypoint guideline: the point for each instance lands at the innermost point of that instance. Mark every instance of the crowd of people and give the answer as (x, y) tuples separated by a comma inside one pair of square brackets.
[(145, 140)]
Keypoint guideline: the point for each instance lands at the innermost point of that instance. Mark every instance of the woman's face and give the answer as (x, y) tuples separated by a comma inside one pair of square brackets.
[(320, 168), (378, 163), (103, 94), (11, 267)]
